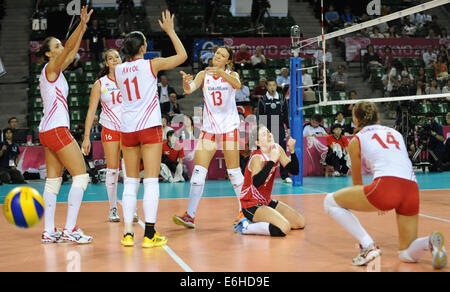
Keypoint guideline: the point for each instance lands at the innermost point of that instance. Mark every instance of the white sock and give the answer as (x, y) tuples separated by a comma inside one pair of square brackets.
[(259, 228), (197, 186), (74, 202), (112, 176), (415, 251), (347, 220), (237, 180), (50, 208), (129, 198), (151, 199)]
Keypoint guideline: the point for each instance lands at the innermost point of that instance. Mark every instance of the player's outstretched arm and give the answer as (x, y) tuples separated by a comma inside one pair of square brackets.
[(190, 84)]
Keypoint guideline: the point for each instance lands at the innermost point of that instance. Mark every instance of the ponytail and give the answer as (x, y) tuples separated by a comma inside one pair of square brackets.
[(366, 114)]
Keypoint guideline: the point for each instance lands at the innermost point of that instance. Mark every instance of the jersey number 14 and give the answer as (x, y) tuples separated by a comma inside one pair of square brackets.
[(390, 139)]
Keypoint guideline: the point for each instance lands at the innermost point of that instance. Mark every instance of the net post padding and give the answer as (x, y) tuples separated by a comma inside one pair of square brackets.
[(296, 116)]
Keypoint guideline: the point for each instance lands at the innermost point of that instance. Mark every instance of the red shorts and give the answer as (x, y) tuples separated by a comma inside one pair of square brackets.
[(109, 135), (387, 193), (56, 139), (229, 137), (147, 136)]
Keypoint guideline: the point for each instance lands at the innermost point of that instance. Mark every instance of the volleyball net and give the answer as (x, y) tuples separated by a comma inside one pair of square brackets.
[(404, 89)]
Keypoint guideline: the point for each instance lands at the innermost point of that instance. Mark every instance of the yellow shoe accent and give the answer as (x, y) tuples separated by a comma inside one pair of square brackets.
[(127, 241), (156, 241)]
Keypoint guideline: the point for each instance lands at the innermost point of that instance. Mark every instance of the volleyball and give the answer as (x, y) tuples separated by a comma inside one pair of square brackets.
[(24, 207)]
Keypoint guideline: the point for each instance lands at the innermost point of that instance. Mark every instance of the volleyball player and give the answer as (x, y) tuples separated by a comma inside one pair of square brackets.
[(106, 92), (394, 187), (263, 215), (220, 122), (61, 150), (141, 126)]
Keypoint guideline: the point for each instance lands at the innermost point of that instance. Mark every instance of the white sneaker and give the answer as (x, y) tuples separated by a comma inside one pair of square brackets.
[(437, 249), (113, 215), (76, 235), (51, 237), (367, 255), (337, 173), (288, 180)]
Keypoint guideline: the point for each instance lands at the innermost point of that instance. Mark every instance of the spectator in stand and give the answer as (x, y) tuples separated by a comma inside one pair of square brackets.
[(421, 75), (95, 41), (440, 68), (12, 123), (443, 52), (429, 57), (9, 159), (314, 128), (444, 34), (172, 107), (392, 32), (346, 128), (125, 16), (172, 160), (404, 34), (243, 94), (332, 18), (437, 139), (376, 34), (318, 56), (259, 91), (164, 91), (431, 34), (433, 88), (189, 131), (349, 109), (371, 60), (337, 155), (258, 59), (309, 95), (210, 14), (347, 17), (405, 73), (96, 126), (388, 57), (242, 58), (165, 122), (419, 88), (339, 79), (76, 66), (390, 81), (284, 79), (405, 88)]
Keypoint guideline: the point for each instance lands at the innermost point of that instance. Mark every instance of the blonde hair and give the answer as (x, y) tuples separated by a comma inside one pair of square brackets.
[(366, 113)]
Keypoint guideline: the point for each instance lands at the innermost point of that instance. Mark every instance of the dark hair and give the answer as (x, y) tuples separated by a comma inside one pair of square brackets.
[(366, 113), (11, 118), (44, 48), (430, 115), (339, 112), (317, 118), (190, 118), (170, 133), (164, 116), (105, 69), (132, 44), (6, 130), (271, 79)]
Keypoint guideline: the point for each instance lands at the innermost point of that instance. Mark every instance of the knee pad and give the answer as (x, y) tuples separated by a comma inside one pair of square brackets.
[(236, 177), (131, 186), (275, 231), (112, 176), (52, 185), (81, 181), (329, 203), (199, 176)]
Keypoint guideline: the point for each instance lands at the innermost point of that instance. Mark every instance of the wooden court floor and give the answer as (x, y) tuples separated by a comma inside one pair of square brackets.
[(213, 247)]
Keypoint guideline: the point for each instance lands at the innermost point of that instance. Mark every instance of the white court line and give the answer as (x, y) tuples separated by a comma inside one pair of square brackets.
[(434, 218), (172, 254)]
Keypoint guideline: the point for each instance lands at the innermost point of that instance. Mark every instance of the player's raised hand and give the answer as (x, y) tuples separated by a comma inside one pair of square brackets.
[(167, 23), (275, 153), (187, 79), (291, 145), (85, 16)]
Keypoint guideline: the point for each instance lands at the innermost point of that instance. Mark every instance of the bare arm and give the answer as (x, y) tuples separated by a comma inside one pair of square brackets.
[(93, 104), (159, 64), (53, 68), (188, 81), (355, 157), (232, 78)]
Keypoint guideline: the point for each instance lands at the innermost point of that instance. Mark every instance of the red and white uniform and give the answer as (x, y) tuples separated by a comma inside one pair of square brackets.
[(252, 196), (220, 115), (384, 152), (54, 97), (140, 102), (395, 186), (111, 100)]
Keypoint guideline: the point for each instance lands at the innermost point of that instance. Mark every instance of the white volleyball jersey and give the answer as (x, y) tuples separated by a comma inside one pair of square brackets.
[(220, 114), (384, 151), (140, 102), (111, 100), (54, 98)]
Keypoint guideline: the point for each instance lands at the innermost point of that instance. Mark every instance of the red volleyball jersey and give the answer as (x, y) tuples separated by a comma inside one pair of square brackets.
[(250, 195), (173, 154)]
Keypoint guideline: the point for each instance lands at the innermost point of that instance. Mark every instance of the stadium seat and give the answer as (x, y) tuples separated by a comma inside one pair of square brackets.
[(73, 77), (440, 108), (36, 68), (36, 102), (76, 115), (89, 77), (422, 108), (75, 101), (36, 116), (34, 90)]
